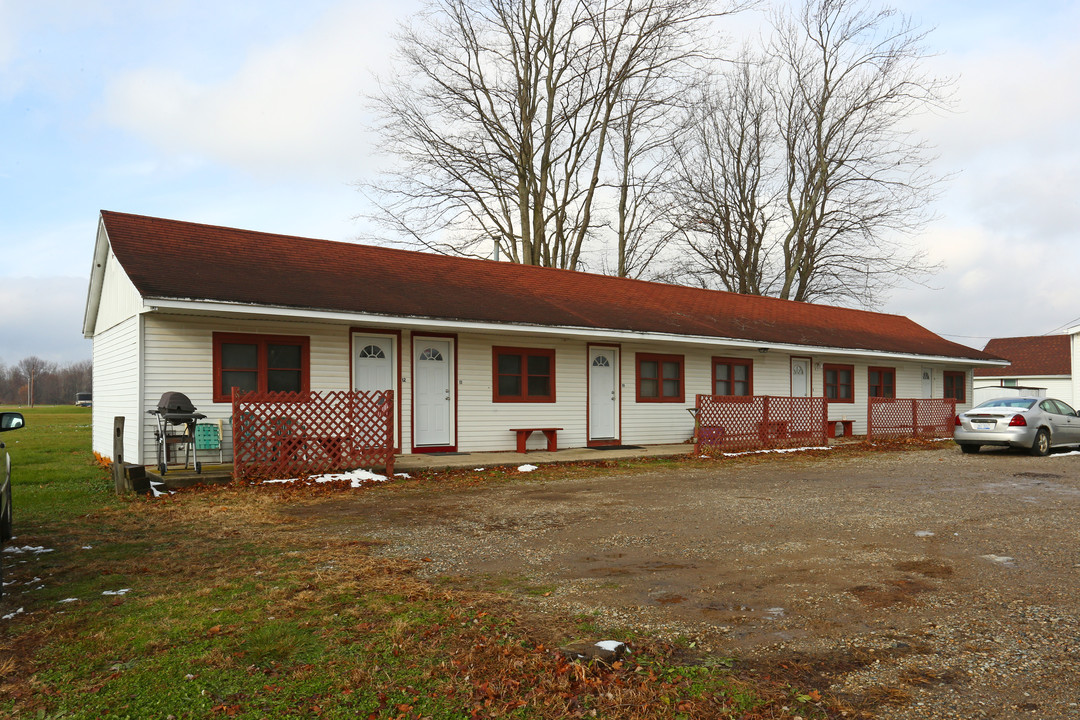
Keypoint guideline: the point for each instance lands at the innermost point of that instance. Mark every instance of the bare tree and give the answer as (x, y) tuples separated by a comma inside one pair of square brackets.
[(723, 194), (502, 116), (809, 172), (32, 368)]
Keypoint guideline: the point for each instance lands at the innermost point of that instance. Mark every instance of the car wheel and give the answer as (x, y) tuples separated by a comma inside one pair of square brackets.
[(1041, 446), (968, 449)]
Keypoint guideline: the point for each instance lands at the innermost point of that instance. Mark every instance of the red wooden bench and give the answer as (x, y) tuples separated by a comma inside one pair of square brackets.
[(845, 425), (523, 437)]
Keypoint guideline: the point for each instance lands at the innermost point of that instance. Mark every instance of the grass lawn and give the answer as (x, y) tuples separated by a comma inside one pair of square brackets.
[(207, 603)]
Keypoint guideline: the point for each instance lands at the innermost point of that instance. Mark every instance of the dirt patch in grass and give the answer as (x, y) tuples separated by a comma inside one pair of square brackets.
[(853, 584), (234, 609)]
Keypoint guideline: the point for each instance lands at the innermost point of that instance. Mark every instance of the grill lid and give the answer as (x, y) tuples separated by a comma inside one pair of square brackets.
[(175, 403)]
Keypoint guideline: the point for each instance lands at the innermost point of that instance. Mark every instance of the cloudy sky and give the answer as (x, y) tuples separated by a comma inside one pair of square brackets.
[(251, 113)]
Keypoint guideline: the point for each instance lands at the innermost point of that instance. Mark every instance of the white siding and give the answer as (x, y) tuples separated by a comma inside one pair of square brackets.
[(648, 423), (485, 425), (119, 298), (1074, 350), (179, 357), (1056, 386), (116, 388)]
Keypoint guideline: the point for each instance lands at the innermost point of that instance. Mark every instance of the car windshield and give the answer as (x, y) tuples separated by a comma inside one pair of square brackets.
[(1018, 403)]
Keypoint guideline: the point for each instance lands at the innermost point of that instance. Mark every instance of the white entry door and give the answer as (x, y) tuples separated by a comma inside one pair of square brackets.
[(374, 364), (434, 392), (927, 382), (603, 394), (800, 377)]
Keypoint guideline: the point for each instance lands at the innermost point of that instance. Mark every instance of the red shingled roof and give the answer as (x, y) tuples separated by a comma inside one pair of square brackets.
[(1039, 355), (182, 260)]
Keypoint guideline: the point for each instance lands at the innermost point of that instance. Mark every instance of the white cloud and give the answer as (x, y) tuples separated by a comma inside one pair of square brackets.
[(295, 107)]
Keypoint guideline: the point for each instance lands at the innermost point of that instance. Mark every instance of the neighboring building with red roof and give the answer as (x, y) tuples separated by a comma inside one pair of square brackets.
[(1041, 362), (471, 348)]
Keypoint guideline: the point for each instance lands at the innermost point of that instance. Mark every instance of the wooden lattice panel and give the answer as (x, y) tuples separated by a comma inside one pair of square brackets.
[(907, 417), (281, 435), (758, 422)]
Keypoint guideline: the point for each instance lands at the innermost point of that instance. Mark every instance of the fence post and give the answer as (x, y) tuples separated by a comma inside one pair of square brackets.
[(763, 432), (120, 479), (238, 438), (870, 418), (824, 424), (390, 433)]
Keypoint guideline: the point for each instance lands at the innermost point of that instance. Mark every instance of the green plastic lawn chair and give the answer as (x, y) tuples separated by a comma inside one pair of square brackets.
[(208, 437)]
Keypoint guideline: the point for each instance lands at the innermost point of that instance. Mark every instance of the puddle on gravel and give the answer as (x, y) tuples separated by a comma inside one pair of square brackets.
[(894, 592), (607, 568), (732, 612)]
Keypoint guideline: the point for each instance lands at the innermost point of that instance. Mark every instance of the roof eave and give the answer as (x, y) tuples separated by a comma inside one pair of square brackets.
[(97, 279), (192, 305)]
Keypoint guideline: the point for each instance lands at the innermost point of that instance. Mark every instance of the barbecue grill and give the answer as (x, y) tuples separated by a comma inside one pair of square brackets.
[(176, 422)]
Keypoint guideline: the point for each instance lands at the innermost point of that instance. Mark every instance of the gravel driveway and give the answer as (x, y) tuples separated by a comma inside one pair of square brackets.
[(930, 584)]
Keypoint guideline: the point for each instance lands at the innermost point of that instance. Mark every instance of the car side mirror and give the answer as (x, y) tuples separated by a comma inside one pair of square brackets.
[(11, 421)]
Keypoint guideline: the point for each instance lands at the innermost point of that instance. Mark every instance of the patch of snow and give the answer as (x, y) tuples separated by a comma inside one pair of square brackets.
[(403, 475), (68, 600), (478, 469), (122, 591), (27, 549), (527, 468), (87, 547), (775, 450), (1003, 559), (11, 615), (1073, 452), (610, 645), (356, 478), (923, 533)]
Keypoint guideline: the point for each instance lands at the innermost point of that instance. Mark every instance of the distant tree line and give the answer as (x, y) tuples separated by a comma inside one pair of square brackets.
[(33, 381)]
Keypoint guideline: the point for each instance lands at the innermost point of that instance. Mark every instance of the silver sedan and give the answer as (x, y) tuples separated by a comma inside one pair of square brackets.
[(1032, 423)]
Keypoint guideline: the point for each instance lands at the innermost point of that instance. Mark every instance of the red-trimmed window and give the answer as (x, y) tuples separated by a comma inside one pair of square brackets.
[(733, 376), (839, 386), (881, 382), (523, 374), (955, 385), (659, 378), (260, 363)]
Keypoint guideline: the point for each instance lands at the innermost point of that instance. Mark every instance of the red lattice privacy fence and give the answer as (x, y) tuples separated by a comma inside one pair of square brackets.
[(758, 422), (283, 435), (898, 417)]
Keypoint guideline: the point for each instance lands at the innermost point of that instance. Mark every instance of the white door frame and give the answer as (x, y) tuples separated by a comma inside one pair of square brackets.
[(616, 395), (358, 336), (420, 342)]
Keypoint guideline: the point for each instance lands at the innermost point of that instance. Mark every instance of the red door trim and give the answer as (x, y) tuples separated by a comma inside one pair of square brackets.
[(589, 442), (412, 415), (397, 371)]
